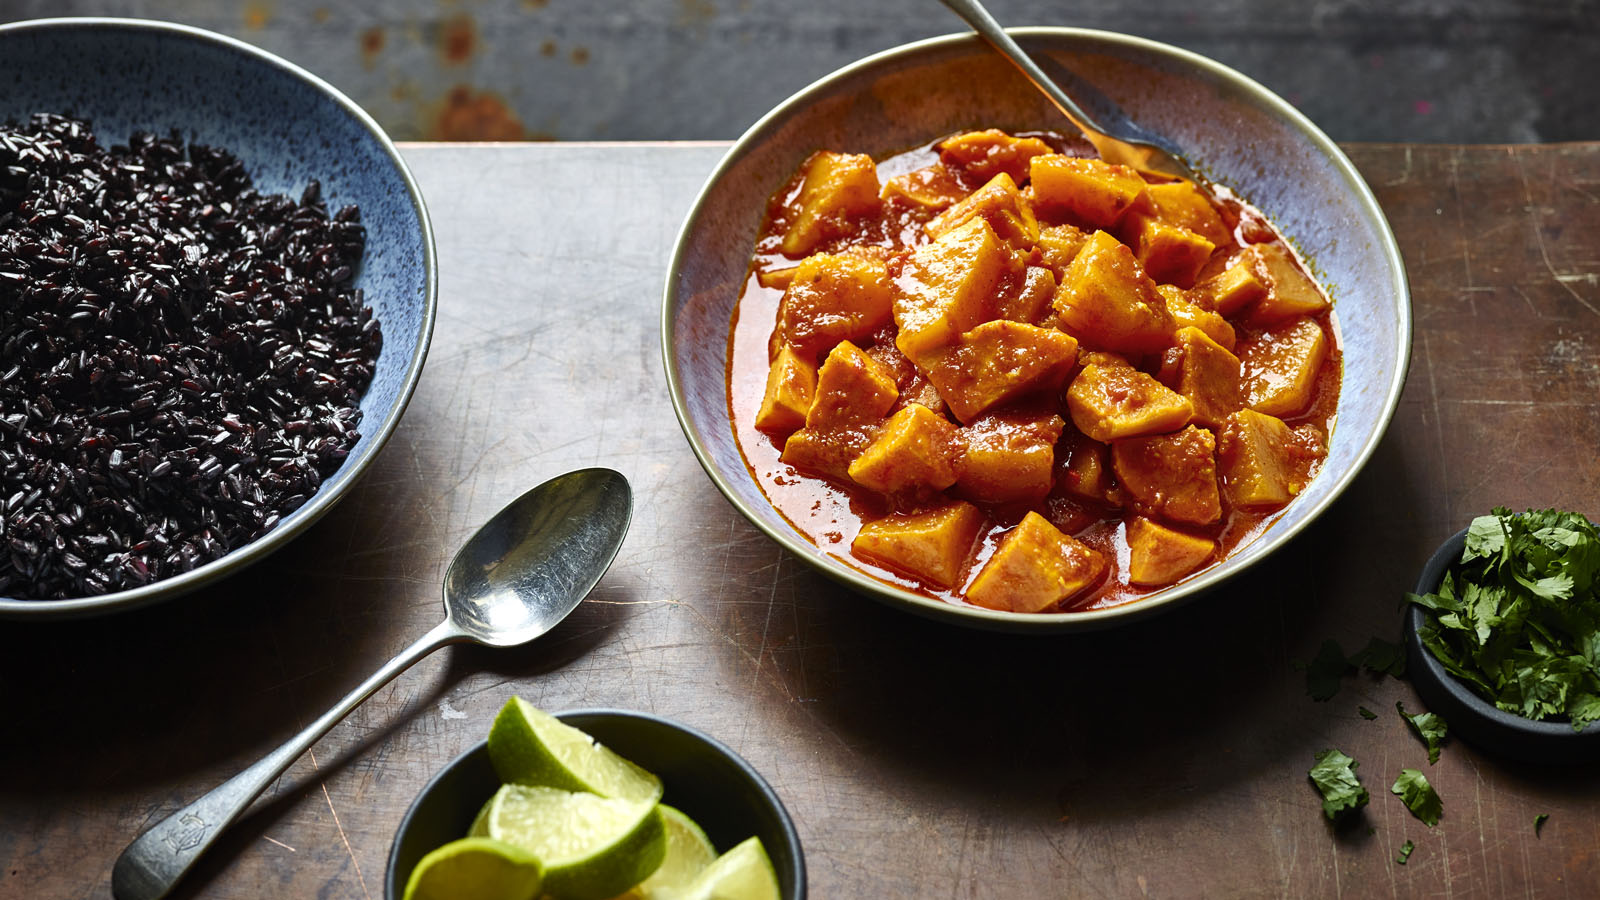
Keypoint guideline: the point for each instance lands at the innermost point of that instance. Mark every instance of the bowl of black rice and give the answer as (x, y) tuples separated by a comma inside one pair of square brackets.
[(217, 287)]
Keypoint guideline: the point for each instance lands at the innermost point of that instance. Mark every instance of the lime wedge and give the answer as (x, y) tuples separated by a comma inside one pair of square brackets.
[(689, 851), (476, 869), (530, 746), (743, 873), (592, 847)]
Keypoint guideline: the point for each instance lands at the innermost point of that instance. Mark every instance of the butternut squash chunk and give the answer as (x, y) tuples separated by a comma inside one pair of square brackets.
[(837, 187), (932, 546), (985, 154), (1173, 476), (1280, 367), (1291, 293), (999, 361), (1106, 301), (1206, 373), (1087, 472), (1158, 555), (1182, 204), (930, 187), (1186, 313), (1032, 301), (1058, 246), (1110, 403), (833, 298), (827, 451), (1234, 288), (913, 453), (947, 288), (1035, 567), (852, 389), (1008, 457), (791, 386), (1090, 192), (1170, 254), (1259, 464), (1001, 205)]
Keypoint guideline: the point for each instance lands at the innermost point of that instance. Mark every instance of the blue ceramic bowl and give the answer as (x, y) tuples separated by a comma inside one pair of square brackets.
[(288, 127), (707, 781), (1236, 133)]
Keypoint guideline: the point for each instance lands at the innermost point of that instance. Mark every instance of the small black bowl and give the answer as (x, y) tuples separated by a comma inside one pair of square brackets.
[(703, 778), (1472, 718)]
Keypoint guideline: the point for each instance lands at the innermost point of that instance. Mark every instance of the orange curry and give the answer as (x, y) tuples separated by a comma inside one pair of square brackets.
[(1002, 374)]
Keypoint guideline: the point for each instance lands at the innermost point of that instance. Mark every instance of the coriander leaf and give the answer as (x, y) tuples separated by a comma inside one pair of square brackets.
[(1324, 672), (1405, 852), (1334, 774), (1538, 823), (1367, 714), (1428, 727), (1381, 657), (1413, 788)]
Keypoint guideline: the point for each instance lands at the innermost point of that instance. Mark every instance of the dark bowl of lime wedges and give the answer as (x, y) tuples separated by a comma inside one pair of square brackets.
[(1526, 583), (706, 791)]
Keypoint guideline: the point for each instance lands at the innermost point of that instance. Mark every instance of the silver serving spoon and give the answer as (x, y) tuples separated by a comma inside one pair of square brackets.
[(514, 580), (1140, 155)]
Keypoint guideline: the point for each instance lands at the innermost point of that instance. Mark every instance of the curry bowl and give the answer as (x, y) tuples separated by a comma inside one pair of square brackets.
[(703, 778), (287, 127), (1236, 134)]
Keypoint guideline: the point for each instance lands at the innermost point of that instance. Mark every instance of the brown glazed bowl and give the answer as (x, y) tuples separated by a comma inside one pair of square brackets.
[(1234, 131)]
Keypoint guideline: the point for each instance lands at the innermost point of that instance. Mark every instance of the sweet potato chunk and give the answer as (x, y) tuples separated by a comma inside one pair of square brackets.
[(837, 186), (1186, 313), (1173, 476), (1000, 204), (833, 298), (1261, 460), (1035, 567), (1158, 555), (1233, 288), (999, 361), (1009, 457), (985, 154), (1058, 246), (931, 546), (852, 389), (1170, 254), (1088, 191), (1291, 293), (791, 386), (1181, 204), (947, 287), (930, 187), (1030, 303), (1280, 367), (914, 452), (1206, 373), (1109, 402), (1106, 300), (1087, 472)]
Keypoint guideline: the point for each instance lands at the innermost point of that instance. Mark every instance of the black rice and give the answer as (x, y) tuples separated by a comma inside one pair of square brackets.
[(181, 357)]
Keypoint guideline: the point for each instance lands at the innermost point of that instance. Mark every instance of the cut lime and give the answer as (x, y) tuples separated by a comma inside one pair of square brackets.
[(743, 873), (530, 746), (689, 851), (476, 868), (592, 847)]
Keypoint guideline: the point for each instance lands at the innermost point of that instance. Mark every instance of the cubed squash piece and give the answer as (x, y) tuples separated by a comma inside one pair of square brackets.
[(1281, 367), (1173, 476), (1089, 192), (1158, 555), (1000, 204), (1208, 375), (930, 187), (932, 546), (1170, 254), (1106, 301), (1290, 291), (1031, 301), (1234, 288), (837, 187), (827, 451), (833, 298), (1186, 313), (1182, 204), (947, 287), (1087, 471), (985, 154), (1035, 567), (913, 453), (1009, 457), (1260, 463), (852, 389), (1058, 246), (791, 386), (999, 361), (1111, 402)]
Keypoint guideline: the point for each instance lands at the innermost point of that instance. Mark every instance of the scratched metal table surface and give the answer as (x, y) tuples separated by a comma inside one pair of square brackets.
[(919, 760)]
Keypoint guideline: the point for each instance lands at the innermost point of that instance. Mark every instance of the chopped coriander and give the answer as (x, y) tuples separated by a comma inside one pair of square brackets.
[(1428, 727), (1324, 672), (1334, 774), (1517, 618), (1381, 657), (1405, 852), (1413, 788), (1367, 714), (1538, 823)]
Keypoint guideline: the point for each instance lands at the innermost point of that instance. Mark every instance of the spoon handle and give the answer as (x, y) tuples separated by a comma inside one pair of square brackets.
[(157, 859)]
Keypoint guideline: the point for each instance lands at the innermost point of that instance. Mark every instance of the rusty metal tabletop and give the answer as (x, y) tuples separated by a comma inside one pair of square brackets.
[(1167, 758)]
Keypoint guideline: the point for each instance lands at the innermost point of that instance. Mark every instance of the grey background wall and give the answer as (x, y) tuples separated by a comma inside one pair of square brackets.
[(1365, 70)]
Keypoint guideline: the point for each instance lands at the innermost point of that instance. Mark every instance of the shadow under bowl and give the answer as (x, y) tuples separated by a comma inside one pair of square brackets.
[(707, 781), (1236, 133), (287, 127), (1469, 716)]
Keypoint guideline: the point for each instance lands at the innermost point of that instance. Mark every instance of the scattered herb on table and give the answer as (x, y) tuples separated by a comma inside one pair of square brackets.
[(1367, 714), (1413, 789), (1428, 727), (1405, 852), (1517, 618), (1538, 823), (1334, 774), (1381, 657), (1324, 672)]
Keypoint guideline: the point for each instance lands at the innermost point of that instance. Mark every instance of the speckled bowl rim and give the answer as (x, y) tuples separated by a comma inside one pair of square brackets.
[(791, 836), (1087, 620), (352, 470)]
